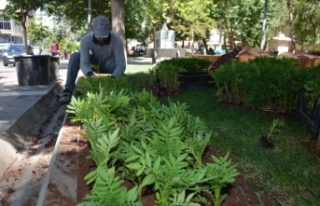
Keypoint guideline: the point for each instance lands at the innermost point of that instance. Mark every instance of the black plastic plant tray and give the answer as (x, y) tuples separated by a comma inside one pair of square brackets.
[(310, 122)]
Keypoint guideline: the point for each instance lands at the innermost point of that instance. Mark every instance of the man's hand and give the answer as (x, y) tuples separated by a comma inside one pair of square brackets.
[(91, 74), (94, 76)]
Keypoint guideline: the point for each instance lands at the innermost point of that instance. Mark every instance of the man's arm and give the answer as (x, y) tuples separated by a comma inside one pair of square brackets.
[(85, 56)]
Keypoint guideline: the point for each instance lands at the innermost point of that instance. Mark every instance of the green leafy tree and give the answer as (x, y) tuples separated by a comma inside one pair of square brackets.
[(71, 46), (192, 18), (135, 21), (277, 17), (250, 24), (37, 31), (155, 16), (307, 17), (21, 10), (239, 20), (75, 13)]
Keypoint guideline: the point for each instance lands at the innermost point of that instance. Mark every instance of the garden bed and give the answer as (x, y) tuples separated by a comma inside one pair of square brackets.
[(73, 165), (66, 186)]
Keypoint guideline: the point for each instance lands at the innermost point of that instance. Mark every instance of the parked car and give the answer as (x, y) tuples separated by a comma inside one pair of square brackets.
[(14, 50), (3, 48)]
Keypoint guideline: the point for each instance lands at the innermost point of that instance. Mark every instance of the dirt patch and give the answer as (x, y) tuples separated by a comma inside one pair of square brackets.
[(311, 147), (62, 179), (255, 52)]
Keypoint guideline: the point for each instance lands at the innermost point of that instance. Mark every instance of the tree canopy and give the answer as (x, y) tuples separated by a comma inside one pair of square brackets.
[(240, 20)]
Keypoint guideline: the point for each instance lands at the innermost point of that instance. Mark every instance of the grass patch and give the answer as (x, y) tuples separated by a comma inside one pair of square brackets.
[(287, 169)]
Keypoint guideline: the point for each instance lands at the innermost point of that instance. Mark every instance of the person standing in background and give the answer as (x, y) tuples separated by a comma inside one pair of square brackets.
[(54, 48), (200, 47)]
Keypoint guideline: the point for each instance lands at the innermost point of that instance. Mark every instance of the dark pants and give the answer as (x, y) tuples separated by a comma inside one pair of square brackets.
[(74, 67)]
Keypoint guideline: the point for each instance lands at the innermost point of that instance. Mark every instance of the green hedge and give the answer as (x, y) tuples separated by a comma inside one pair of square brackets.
[(267, 83), (189, 64)]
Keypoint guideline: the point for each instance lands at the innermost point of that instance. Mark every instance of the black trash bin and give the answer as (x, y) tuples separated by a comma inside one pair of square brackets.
[(54, 68), (32, 70)]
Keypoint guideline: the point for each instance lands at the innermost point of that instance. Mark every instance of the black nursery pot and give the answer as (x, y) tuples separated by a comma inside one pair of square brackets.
[(54, 68), (195, 80), (33, 70), (191, 77)]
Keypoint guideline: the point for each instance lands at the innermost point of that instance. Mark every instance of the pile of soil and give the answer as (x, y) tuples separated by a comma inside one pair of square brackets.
[(255, 52)]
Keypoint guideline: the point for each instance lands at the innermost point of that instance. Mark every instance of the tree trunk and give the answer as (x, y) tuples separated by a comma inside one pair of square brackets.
[(292, 30), (24, 28), (118, 14), (25, 36), (205, 45), (89, 15), (263, 35)]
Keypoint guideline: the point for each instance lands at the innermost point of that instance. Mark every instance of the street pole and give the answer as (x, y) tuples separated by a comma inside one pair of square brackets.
[(89, 15), (263, 32)]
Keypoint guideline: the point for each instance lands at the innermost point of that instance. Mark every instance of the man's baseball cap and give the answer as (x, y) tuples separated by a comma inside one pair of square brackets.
[(101, 27)]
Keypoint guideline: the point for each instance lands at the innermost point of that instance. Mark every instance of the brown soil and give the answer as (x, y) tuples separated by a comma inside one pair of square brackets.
[(254, 52)]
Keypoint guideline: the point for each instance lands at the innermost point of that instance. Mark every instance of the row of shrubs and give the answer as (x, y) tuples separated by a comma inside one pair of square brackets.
[(270, 83), (267, 83)]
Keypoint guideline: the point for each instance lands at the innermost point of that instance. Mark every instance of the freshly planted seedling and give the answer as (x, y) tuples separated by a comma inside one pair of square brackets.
[(96, 68), (266, 141)]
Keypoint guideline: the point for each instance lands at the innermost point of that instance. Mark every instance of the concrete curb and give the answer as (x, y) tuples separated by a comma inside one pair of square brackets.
[(45, 183), (13, 139)]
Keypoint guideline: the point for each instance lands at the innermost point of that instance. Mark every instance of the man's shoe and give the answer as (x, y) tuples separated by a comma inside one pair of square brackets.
[(65, 98)]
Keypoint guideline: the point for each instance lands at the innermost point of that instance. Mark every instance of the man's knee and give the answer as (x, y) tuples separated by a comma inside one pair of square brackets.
[(75, 56), (109, 66)]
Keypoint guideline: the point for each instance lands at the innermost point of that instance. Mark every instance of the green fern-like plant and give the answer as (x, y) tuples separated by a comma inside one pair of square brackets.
[(183, 200), (96, 68), (220, 173), (274, 127), (108, 191), (101, 153), (157, 146), (197, 146)]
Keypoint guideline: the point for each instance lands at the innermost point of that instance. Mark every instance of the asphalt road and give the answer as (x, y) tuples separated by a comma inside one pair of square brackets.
[(6, 69), (135, 64), (10, 70)]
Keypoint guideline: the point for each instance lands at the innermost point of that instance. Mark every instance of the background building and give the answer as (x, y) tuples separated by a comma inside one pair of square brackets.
[(10, 31)]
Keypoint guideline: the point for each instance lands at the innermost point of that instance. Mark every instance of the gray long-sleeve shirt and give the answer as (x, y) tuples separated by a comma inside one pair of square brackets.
[(113, 49)]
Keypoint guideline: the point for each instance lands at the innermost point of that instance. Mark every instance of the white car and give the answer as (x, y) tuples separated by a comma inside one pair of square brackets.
[(14, 50), (3, 48)]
